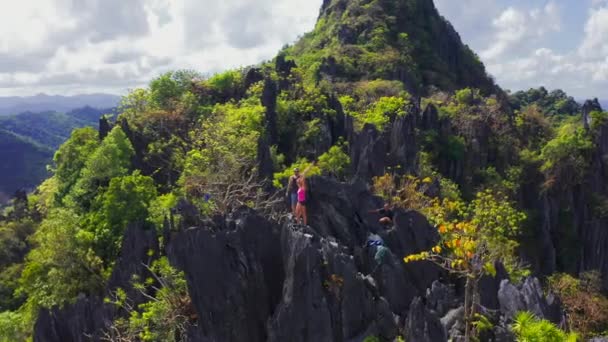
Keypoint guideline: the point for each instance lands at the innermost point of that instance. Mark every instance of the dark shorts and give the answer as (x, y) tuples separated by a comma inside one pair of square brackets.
[(302, 203), (294, 198)]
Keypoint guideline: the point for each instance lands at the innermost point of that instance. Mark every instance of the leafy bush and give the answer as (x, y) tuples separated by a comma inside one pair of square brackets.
[(164, 317), (71, 157), (566, 157), (335, 161), (12, 327), (111, 159), (585, 306), (63, 263), (377, 113), (528, 328), (127, 200), (280, 178)]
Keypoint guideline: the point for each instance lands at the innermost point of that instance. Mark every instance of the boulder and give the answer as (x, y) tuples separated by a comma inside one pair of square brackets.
[(422, 325), (529, 296)]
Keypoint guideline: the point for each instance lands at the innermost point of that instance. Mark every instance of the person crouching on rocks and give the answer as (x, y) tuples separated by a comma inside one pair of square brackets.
[(386, 215)]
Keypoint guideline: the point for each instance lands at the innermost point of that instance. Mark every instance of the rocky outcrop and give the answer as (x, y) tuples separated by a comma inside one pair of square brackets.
[(422, 325), (529, 296), (234, 274), (296, 283), (573, 233), (375, 153)]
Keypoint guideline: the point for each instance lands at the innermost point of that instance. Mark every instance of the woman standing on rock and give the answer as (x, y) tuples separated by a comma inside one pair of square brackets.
[(301, 213)]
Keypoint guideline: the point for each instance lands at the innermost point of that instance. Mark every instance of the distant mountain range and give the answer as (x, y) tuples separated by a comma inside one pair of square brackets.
[(55, 103), (29, 140)]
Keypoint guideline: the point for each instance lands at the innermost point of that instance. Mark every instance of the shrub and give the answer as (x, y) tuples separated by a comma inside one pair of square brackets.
[(585, 306), (565, 158), (528, 328), (280, 178), (335, 161), (164, 317)]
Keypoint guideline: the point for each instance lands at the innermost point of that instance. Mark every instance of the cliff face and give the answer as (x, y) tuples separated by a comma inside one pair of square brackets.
[(573, 231), (252, 280)]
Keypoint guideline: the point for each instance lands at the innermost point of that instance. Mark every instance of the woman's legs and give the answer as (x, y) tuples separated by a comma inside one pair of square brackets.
[(304, 214), (298, 212)]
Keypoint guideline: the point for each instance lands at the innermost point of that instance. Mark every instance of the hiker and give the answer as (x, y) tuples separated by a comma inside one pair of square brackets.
[(375, 245), (386, 214), (302, 193), (292, 190)]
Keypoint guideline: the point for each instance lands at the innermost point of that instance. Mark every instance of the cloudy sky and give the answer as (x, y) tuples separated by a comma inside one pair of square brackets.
[(84, 46)]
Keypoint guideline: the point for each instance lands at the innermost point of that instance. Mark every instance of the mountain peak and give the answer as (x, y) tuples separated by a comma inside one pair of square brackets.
[(404, 40)]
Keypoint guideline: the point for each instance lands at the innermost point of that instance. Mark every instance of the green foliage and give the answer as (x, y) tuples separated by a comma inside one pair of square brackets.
[(226, 147), (528, 328), (111, 159), (371, 339), (226, 82), (127, 200), (165, 316), (160, 208), (467, 96), (71, 157), (280, 178), (378, 113), (585, 305), (12, 327), (598, 119), (335, 161), (555, 103), (168, 91), (63, 263), (566, 157)]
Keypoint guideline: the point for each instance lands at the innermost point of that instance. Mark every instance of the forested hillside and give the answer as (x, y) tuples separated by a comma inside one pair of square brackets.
[(29, 141), (169, 222)]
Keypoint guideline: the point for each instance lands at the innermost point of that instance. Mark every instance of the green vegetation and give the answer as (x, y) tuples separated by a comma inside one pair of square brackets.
[(556, 104), (528, 328), (585, 306), (164, 317), (485, 162)]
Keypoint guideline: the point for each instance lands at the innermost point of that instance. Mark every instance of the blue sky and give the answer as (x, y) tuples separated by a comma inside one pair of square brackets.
[(67, 47)]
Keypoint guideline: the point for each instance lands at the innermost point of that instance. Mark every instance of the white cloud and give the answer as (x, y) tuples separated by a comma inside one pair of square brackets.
[(595, 43), (517, 30), (66, 46)]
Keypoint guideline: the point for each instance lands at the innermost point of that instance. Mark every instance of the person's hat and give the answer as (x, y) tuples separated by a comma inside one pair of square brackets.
[(296, 170)]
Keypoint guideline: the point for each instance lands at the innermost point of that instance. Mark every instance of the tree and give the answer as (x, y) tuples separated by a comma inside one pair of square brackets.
[(127, 200), (111, 159), (62, 265), (335, 161), (71, 157), (473, 236), (166, 314)]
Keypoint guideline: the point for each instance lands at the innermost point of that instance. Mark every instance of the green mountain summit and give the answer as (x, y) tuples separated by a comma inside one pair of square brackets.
[(403, 40)]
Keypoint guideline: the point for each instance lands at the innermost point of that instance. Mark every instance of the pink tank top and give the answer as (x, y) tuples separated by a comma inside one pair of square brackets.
[(301, 195)]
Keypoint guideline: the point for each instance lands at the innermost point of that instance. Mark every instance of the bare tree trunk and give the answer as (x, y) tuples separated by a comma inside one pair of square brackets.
[(468, 309)]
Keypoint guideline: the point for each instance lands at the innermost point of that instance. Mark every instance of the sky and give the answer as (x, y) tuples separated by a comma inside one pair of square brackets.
[(84, 46)]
